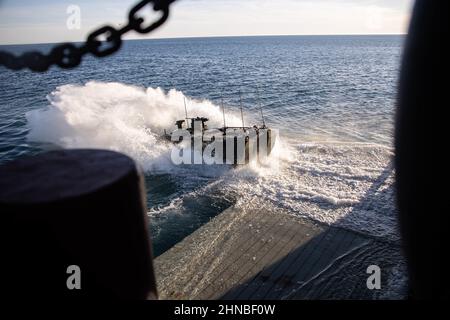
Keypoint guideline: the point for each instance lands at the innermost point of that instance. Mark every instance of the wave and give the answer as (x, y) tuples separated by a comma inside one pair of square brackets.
[(117, 117)]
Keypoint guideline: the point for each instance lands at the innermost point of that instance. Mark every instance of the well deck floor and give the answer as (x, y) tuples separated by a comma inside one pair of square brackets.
[(261, 254)]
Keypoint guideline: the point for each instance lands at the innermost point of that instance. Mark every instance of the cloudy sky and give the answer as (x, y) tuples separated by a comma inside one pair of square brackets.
[(31, 21)]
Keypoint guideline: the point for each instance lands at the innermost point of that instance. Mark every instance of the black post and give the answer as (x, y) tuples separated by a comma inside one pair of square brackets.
[(83, 208), (422, 101)]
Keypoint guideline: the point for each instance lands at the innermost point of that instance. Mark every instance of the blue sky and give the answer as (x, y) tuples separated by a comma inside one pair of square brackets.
[(28, 21)]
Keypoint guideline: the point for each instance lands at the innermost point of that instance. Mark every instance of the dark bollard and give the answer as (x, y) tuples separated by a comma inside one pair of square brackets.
[(420, 182), (82, 208)]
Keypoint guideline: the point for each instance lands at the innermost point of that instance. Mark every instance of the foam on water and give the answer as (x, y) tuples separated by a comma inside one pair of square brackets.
[(345, 184)]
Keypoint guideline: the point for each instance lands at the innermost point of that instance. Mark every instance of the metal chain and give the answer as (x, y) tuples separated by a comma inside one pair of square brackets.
[(68, 55)]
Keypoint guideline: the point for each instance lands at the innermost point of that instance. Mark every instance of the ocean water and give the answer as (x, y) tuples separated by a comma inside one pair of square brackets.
[(331, 98)]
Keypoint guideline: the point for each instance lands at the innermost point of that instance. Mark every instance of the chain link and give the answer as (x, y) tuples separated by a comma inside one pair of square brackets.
[(68, 55)]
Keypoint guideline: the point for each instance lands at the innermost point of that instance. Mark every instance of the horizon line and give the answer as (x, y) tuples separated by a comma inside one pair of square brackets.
[(223, 36)]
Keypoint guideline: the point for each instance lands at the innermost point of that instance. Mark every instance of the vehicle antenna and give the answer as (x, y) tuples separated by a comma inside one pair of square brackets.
[(185, 110), (260, 107), (242, 113), (223, 110)]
